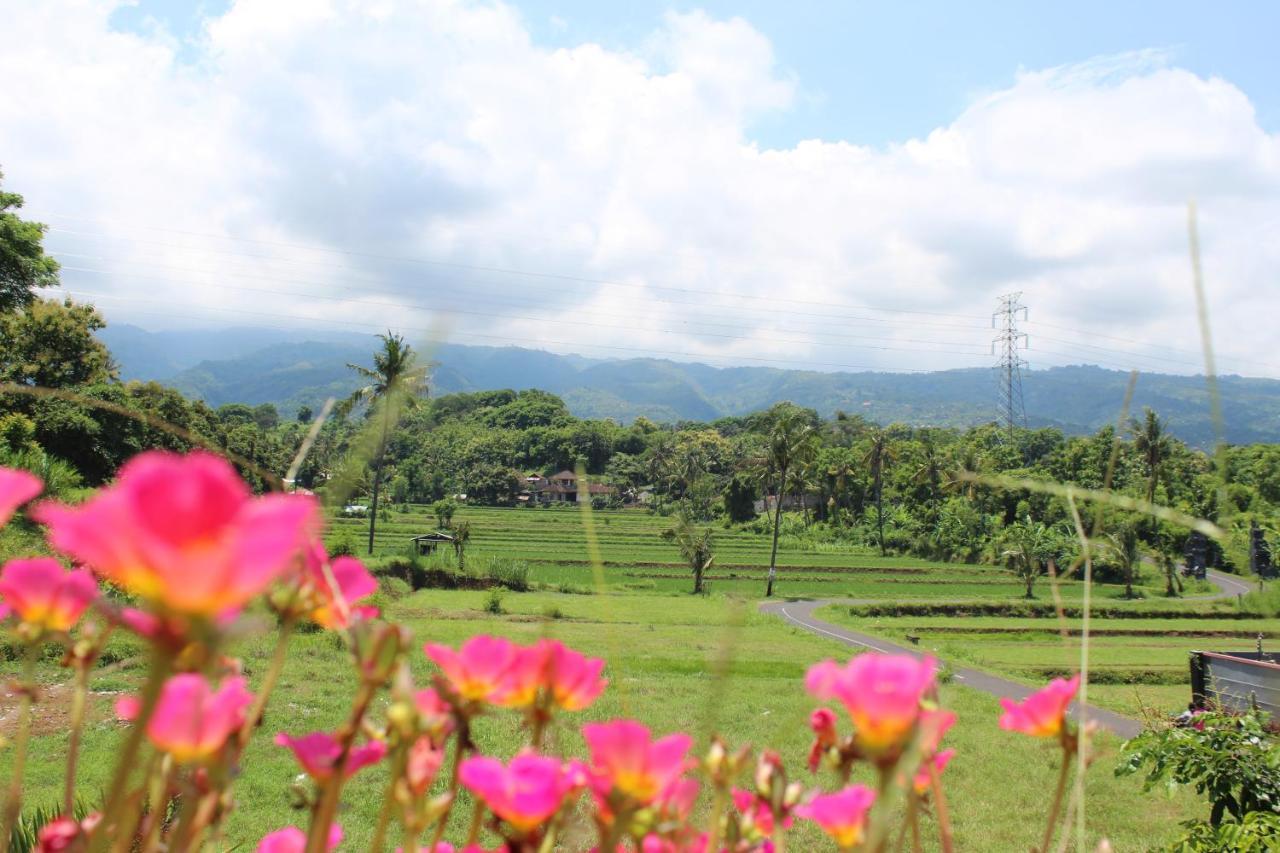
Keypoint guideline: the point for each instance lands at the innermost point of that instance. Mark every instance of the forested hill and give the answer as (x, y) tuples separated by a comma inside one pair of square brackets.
[(257, 366)]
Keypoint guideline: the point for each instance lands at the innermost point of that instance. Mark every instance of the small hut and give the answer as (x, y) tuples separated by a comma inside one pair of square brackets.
[(427, 543)]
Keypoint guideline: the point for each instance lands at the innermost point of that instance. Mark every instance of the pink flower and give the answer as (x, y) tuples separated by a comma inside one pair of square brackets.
[(573, 679), (525, 793), (184, 532), (625, 759), (758, 810), (477, 672), (882, 694), (294, 840), (333, 603), (694, 844), (191, 721), (823, 723), (842, 815), (44, 594), (423, 764), (524, 677), (923, 778), (318, 753), (1041, 714), (434, 714), (64, 832), (16, 488)]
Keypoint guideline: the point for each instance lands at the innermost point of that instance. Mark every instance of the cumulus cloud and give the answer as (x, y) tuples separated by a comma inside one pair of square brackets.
[(355, 165)]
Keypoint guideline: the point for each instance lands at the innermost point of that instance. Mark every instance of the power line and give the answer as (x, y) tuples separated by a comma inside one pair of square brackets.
[(506, 271), (383, 303), (185, 313), (629, 327)]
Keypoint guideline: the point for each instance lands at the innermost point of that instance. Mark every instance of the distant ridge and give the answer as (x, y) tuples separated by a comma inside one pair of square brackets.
[(302, 368)]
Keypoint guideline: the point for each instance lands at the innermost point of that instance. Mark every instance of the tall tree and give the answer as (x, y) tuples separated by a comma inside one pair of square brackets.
[(1121, 546), (696, 545), (51, 344), (1028, 546), (880, 453), (790, 445), (393, 381), (1152, 443), (461, 533), (24, 266)]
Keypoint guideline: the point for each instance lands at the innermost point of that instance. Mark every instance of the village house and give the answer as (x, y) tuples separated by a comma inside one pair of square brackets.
[(564, 488)]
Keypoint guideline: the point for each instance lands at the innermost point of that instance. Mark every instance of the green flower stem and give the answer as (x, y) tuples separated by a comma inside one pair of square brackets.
[(1056, 807), (459, 750), (940, 806), (13, 802), (717, 811), (79, 699), (156, 803), (331, 793), (269, 681), (128, 754), (389, 799)]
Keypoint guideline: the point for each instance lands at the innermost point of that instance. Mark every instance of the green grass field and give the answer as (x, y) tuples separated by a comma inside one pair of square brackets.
[(662, 651), (664, 648)]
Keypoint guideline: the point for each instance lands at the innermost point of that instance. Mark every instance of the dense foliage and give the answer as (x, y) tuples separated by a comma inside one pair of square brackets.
[(1231, 760), (899, 488)]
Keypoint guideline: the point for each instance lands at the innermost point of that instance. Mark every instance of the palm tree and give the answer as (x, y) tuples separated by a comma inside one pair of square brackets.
[(839, 473), (791, 443), (1152, 443), (1029, 545), (696, 547), (1122, 547), (879, 454), (461, 534), (393, 379)]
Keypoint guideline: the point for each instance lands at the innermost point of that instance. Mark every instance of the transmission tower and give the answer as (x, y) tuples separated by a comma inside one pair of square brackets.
[(1007, 344)]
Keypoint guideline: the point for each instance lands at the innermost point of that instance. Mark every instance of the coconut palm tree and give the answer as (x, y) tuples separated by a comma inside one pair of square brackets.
[(696, 545), (1121, 546), (791, 444), (461, 533), (1028, 547), (880, 453), (393, 380), (1152, 443)]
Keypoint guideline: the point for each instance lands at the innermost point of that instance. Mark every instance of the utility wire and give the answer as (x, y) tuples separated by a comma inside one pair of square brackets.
[(184, 312), (379, 302)]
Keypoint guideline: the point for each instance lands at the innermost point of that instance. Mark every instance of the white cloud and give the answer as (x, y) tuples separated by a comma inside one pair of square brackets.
[(438, 130)]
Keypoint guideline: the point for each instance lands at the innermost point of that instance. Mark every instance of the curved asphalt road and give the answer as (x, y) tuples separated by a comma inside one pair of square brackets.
[(800, 613)]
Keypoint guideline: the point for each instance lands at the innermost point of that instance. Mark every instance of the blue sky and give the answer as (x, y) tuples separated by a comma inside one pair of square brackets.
[(882, 72)]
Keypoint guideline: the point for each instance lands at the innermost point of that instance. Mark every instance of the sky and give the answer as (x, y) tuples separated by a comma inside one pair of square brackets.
[(823, 185)]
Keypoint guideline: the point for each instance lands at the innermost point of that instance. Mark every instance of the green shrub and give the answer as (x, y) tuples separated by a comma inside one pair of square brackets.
[(504, 571), (552, 612), (493, 602), (1232, 760), (395, 588)]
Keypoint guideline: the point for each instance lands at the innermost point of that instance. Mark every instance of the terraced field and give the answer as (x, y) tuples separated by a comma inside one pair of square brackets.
[(1135, 664), (555, 545)]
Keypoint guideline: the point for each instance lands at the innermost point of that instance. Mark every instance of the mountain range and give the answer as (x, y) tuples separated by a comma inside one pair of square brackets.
[(292, 369)]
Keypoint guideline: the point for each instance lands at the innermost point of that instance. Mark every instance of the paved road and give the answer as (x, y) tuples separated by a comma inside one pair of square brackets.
[(1228, 586), (800, 613)]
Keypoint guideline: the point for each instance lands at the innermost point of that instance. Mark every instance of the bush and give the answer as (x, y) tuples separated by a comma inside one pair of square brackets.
[(1233, 761), (504, 571), (552, 612), (395, 588), (493, 602)]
